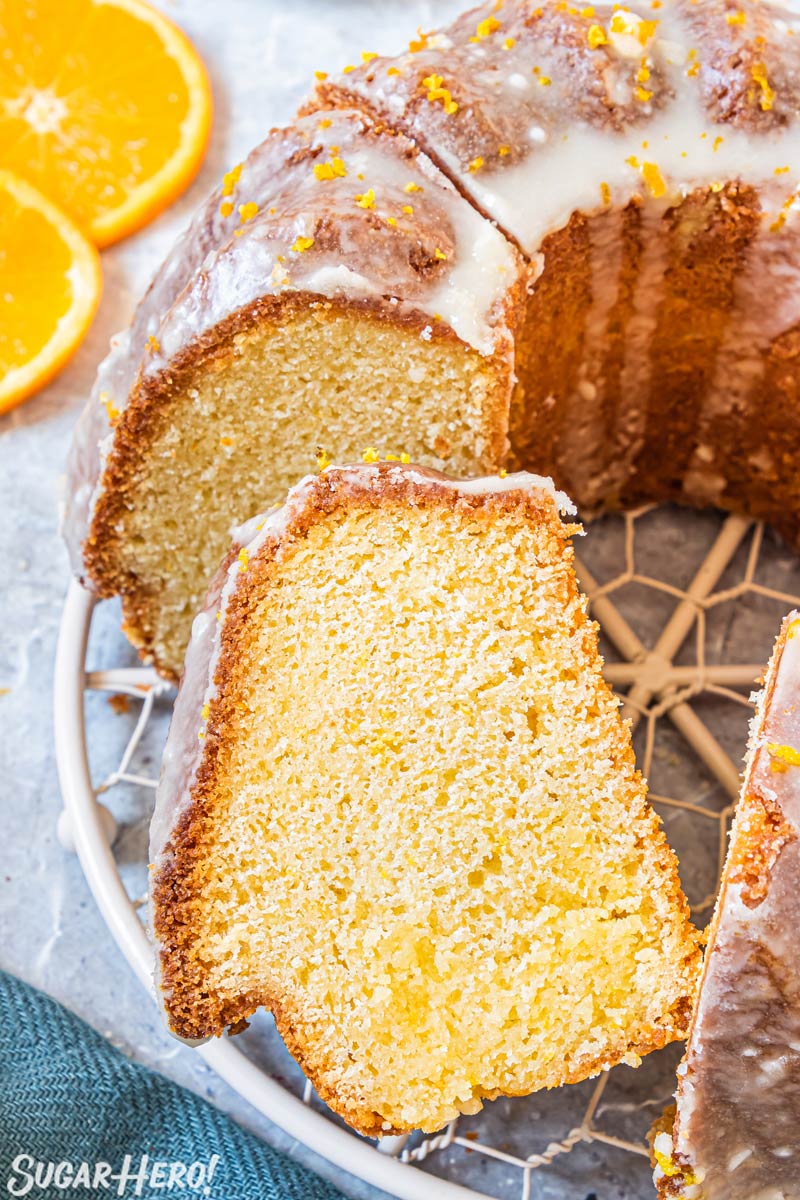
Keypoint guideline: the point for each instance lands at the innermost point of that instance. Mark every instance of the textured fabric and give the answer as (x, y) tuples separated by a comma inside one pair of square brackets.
[(68, 1097)]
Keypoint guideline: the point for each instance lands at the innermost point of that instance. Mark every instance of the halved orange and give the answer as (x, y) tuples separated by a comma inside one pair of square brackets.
[(105, 106), (50, 284)]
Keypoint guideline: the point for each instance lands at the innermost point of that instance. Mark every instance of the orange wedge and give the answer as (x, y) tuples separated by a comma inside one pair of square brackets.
[(50, 285), (104, 106)]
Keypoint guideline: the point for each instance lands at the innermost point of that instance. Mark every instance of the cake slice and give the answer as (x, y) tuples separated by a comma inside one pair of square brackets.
[(399, 807), (736, 1133)]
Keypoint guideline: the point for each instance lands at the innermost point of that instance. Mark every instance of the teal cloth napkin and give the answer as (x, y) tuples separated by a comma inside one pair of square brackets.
[(79, 1121)]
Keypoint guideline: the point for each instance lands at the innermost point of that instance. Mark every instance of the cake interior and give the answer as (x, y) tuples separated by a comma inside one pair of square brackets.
[(240, 428), (424, 841)]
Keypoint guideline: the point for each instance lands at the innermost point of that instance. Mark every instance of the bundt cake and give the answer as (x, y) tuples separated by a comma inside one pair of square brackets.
[(635, 333), (644, 159), (399, 807), (735, 1136)]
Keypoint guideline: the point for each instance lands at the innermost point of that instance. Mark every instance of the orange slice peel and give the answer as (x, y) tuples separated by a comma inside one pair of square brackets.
[(50, 285)]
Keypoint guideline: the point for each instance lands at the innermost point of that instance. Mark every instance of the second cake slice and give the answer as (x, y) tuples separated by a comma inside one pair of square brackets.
[(399, 807)]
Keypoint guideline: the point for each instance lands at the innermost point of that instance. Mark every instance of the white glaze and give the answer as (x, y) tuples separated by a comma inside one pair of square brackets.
[(539, 194), (241, 270), (739, 1094), (220, 265)]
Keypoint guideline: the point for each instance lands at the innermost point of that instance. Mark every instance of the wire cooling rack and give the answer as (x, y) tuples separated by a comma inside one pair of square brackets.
[(688, 606)]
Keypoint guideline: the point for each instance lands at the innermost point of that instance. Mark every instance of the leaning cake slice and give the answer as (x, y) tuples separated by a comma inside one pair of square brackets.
[(736, 1135), (399, 808)]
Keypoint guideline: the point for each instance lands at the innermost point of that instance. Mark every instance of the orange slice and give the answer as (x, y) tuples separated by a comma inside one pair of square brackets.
[(50, 285), (104, 106)]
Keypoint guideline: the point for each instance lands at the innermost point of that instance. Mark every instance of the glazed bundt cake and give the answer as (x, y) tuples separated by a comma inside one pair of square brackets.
[(738, 1099), (335, 288), (644, 159), (399, 807), (634, 331)]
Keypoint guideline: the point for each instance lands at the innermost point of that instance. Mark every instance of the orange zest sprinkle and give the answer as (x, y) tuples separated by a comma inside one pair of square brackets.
[(248, 211), (596, 37), (412, 187), (420, 43), (476, 164), (370, 455), (408, 208), (325, 123), (759, 73), (230, 179), (226, 208), (440, 254), (366, 199), (642, 94), (633, 161), (244, 559), (226, 441), (368, 55), (545, 81), (320, 75), (718, 141), (509, 43), (205, 710), (782, 170), (485, 29), (605, 193), (152, 345), (323, 459), (736, 18), (346, 70), (643, 31), (587, 12), (503, 151), (654, 179), (643, 74), (436, 92), (335, 169), (301, 244), (783, 756), (393, 71), (391, 221), (112, 412)]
